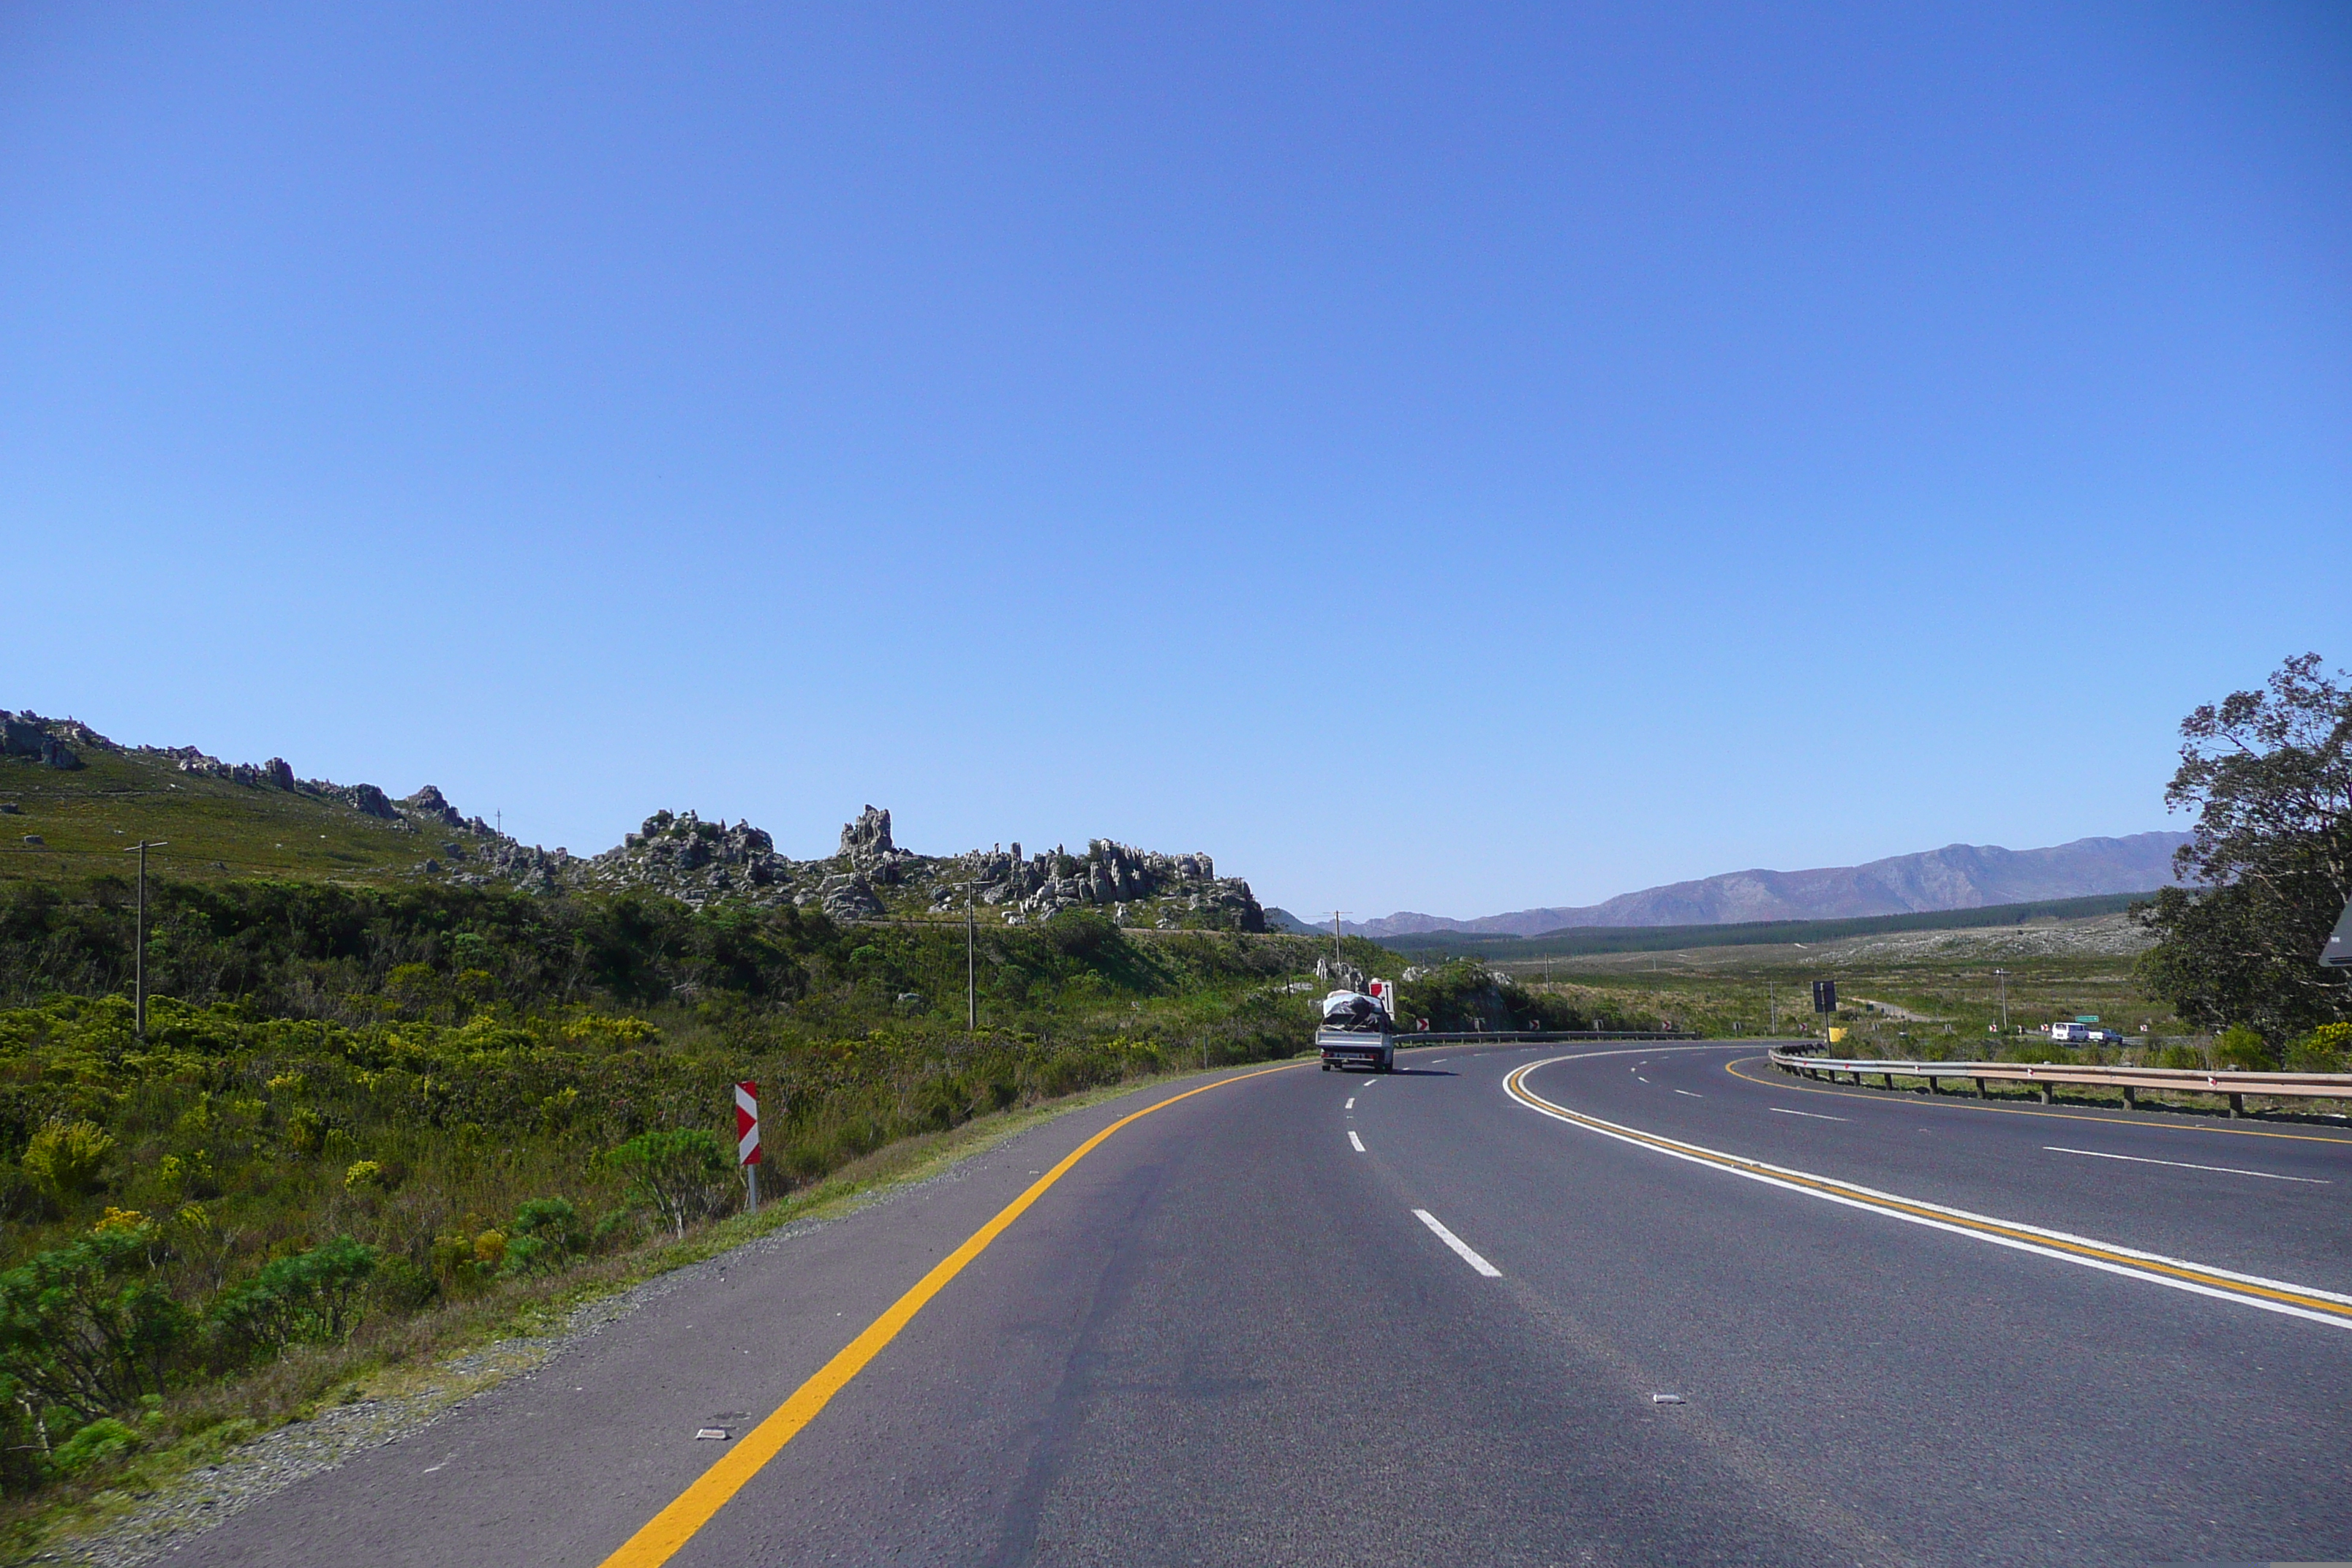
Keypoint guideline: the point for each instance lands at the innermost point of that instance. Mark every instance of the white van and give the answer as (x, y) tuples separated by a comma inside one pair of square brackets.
[(2071, 1034)]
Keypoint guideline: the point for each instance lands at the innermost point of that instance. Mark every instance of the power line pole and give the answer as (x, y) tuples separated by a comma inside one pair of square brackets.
[(2002, 975), (1335, 936), (970, 973), (139, 936)]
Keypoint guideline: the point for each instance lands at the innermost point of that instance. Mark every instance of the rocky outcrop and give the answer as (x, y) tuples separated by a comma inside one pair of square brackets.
[(1337, 974), (42, 741), (867, 840), (1139, 887), (685, 857), (871, 875), (429, 805), (366, 799)]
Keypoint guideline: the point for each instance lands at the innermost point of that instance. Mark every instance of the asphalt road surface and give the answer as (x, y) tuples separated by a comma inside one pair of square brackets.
[(1316, 1318)]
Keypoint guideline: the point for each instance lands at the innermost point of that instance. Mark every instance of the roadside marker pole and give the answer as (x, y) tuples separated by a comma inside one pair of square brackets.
[(139, 938), (747, 1139)]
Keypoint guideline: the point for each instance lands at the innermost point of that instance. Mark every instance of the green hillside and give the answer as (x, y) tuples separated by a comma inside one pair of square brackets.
[(217, 828)]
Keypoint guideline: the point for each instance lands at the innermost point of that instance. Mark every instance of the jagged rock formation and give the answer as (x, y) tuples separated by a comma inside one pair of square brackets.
[(871, 876)]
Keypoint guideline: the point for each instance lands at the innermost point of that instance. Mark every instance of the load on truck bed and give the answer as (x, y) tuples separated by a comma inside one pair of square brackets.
[(1358, 1030)]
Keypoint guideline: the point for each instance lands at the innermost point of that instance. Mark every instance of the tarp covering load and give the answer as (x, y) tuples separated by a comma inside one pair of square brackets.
[(1353, 1010)]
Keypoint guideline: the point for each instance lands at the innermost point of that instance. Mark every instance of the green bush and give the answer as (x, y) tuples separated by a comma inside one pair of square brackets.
[(2240, 1049), (67, 1157), (546, 1234), (87, 1326), (2181, 1053), (313, 1294), (103, 1441)]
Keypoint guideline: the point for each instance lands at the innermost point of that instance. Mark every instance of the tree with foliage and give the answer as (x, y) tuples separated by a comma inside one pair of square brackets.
[(2269, 773), (683, 1173)]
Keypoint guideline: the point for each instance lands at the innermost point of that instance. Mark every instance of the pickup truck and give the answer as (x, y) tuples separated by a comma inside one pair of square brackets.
[(1357, 1031)]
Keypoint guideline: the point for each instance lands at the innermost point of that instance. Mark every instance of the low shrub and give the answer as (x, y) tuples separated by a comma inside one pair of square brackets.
[(103, 1441), (2325, 1049), (2241, 1049)]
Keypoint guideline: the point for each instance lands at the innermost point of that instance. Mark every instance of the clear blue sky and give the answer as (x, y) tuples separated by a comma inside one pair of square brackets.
[(1441, 457)]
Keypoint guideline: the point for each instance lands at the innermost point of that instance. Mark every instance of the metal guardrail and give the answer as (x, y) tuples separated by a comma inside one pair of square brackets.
[(2049, 1076), (1407, 1038)]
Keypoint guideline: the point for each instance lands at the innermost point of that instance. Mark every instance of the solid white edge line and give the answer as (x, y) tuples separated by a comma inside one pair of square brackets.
[(2185, 1165), (1808, 1115), (1460, 1247), (1356, 1141), (1755, 1171)]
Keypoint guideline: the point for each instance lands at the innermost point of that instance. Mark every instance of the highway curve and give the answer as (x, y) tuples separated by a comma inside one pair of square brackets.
[(1309, 1318)]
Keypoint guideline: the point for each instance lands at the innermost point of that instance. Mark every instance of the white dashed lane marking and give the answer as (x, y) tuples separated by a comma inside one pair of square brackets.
[(1460, 1247), (2185, 1165)]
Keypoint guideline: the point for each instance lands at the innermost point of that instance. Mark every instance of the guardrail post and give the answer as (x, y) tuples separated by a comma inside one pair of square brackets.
[(2131, 1098), (2237, 1105), (1932, 1089), (2049, 1094), (1981, 1090), (1888, 1077)]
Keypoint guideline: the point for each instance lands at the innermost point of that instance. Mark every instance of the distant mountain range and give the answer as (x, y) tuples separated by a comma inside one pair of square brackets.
[(1957, 877)]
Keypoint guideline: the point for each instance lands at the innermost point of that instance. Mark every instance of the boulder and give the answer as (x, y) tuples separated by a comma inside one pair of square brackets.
[(848, 897)]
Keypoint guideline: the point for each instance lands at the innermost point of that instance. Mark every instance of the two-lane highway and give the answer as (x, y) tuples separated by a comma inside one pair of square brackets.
[(1482, 1311)]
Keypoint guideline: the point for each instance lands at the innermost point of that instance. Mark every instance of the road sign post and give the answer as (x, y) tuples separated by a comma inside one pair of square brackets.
[(1826, 1000), (746, 1140), (139, 937)]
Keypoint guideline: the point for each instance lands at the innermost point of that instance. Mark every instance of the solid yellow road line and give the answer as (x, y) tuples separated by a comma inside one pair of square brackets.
[(2278, 1296), (674, 1526), (1958, 1102)]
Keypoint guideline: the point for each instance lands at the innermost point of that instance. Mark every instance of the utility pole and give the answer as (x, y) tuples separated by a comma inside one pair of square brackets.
[(2002, 975), (1335, 936), (139, 937), (970, 974)]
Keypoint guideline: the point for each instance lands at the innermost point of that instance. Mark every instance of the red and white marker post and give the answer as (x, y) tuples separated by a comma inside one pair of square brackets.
[(747, 1139)]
